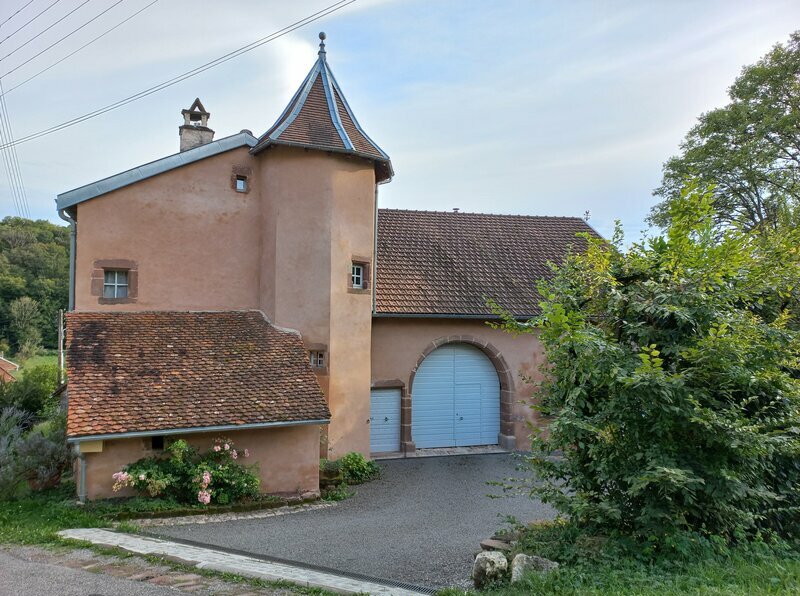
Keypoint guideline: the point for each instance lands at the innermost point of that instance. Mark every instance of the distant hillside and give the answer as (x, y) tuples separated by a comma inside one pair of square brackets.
[(34, 262)]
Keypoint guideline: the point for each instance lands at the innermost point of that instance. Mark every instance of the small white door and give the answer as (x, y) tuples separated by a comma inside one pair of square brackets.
[(384, 420)]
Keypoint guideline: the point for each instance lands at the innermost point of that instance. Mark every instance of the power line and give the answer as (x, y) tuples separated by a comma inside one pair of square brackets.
[(70, 34), (15, 198), (182, 77), (16, 192), (43, 31), (56, 63), (27, 23), (19, 10), (13, 151)]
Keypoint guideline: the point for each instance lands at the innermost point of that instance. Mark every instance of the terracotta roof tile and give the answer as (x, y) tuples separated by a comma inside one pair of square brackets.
[(147, 371), (437, 263)]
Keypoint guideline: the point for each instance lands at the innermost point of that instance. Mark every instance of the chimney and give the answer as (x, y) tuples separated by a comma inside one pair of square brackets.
[(195, 130)]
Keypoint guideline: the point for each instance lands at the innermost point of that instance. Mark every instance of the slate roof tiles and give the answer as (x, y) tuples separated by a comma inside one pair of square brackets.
[(154, 371)]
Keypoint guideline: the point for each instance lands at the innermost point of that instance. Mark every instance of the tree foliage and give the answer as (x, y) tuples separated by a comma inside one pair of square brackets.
[(749, 149), (33, 392), (34, 268), (673, 381)]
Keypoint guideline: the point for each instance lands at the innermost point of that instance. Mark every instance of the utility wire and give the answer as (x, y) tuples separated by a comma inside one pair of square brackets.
[(16, 192), (19, 10), (70, 34), (27, 23), (56, 63), (13, 151), (191, 73), (15, 198), (43, 31)]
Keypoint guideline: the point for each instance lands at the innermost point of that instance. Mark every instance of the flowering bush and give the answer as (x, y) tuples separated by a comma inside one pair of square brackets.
[(185, 475)]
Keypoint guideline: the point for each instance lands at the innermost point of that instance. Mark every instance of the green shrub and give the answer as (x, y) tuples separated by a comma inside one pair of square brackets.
[(43, 455), (357, 469), (184, 475), (33, 391), (13, 422), (673, 383), (331, 467), (334, 494)]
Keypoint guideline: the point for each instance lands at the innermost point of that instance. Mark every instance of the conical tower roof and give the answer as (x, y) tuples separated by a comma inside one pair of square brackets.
[(318, 117)]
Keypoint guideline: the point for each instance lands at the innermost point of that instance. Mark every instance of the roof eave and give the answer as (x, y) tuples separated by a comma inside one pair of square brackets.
[(192, 430), (420, 315), (154, 168)]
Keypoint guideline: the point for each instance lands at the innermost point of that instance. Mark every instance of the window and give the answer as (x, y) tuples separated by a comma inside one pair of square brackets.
[(241, 183), (358, 276), (157, 443), (115, 284), (317, 359)]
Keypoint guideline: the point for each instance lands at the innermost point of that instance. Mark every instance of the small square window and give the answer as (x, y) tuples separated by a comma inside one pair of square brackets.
[(317, 359), (241, 183), (157, 443), (115, 283), (357, 277)]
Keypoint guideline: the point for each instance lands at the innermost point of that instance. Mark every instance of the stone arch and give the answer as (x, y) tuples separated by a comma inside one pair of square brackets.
[(506, 439)]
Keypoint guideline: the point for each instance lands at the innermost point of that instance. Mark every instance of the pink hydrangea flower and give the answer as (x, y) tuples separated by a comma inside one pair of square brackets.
[(204, 497), (216, 448), (227, 447), (234, 455), (121, 479), (206, 478)]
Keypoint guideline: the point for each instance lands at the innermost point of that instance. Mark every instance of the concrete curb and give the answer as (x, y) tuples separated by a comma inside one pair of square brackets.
[(206, 558)]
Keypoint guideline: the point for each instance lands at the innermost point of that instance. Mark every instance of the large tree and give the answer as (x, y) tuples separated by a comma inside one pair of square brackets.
[(749, 150), (34, 266), (673, 381)]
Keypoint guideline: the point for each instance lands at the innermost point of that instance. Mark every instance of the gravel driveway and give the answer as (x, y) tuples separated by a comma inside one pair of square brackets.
[(420, 523)]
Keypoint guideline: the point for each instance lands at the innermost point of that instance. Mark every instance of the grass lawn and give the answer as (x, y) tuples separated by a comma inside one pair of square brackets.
[(36, 519), (736, 575), (594, 565)]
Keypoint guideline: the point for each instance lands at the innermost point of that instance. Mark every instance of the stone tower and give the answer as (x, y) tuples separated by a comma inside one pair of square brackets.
[(319, 173)]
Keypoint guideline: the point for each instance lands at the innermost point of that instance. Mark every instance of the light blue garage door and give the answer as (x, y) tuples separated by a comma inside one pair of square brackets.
[(384, 420), (455, 400)]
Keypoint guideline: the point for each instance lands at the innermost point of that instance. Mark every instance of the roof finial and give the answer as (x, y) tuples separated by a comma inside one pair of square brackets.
[(322, 37)]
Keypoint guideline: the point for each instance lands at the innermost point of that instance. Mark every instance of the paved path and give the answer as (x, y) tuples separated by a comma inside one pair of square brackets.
[(20, 577), (214, 560), (421, 523)]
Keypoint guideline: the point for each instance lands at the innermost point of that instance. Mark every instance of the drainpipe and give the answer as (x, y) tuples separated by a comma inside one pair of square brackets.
[(73, 226), (82, 475)]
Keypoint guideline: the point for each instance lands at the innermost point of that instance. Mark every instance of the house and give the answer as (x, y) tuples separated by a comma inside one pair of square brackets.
[(6, 369), (251, 286)]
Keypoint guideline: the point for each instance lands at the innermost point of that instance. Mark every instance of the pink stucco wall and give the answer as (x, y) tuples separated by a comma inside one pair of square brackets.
[(398, 345), (286, 457), (318, 216), (285, 247), (195, 240)]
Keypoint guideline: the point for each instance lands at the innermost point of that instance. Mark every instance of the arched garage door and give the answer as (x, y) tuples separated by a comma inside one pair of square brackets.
[(455, 400)]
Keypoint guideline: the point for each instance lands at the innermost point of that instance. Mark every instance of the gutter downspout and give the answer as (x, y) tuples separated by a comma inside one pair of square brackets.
[(82, 474), (73, 228)]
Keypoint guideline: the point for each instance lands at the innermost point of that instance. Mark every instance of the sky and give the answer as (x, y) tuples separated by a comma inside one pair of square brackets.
[(534, 107)]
